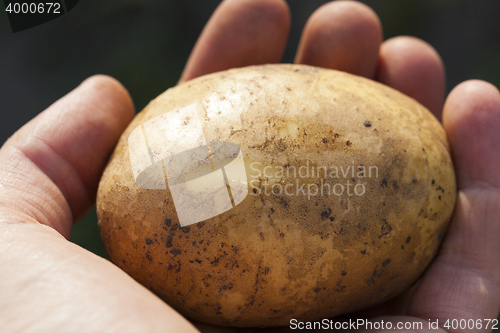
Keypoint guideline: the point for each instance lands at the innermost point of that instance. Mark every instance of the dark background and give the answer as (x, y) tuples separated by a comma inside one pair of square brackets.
[(145, 44)]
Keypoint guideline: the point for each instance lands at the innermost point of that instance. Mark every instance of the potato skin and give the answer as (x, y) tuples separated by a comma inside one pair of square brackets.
[(277, 257)]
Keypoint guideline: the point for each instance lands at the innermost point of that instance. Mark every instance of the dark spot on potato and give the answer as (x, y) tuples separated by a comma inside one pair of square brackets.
[(261, 234), (344, 273), (433, 181), (168, 222), (363, 251), (148, 256), (376, 273), (340, 289), (185, 230), (395, 185), (394, 276), (367, 123), (439, 197), (227, 287), (317, 290), (408, 239), (149, 241), (169, 240), (384, 182), (326, 213), (385, 229), (175, 252), (325, 140), (284, 202), (332, 218), (263, 145), (348, 143), (386, 262)]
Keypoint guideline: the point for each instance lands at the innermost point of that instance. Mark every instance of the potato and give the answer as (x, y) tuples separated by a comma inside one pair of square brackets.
[(256, 195)]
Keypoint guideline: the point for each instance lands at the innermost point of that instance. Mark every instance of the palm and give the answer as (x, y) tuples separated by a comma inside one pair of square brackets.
[(49, 284)]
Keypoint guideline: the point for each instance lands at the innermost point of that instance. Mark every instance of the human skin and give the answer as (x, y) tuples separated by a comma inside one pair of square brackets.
[(50, 169)]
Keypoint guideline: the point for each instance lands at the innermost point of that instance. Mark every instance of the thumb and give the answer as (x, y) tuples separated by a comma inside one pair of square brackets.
[(50, 168)]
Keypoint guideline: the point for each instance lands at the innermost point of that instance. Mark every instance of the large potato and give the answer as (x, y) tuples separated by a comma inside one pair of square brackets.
[(350, 189)]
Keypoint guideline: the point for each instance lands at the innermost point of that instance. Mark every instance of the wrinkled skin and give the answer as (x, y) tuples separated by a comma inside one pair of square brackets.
[(49, 171)]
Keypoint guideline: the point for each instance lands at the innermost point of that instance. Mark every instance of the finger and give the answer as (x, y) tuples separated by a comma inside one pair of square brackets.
[(51, 167), (464, 280), (342, 35), (240, 33), (51, 285), (413, 67), (472, 121)]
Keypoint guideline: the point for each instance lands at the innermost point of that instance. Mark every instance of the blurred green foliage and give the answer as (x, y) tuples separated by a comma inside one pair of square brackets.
[(86, 234)]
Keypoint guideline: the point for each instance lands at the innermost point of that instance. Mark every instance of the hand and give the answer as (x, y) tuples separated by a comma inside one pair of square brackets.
[(50, 168)]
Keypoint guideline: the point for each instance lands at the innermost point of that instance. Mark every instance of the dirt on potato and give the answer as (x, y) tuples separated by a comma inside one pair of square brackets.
[(342, 195)]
